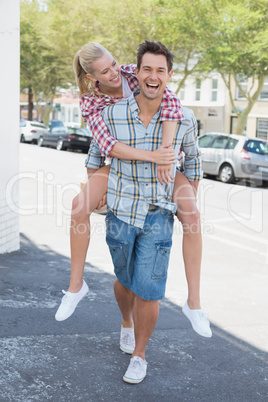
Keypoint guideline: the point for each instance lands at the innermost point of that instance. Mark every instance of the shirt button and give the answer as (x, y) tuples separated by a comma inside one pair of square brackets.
[(146, 133), (147, 185), (146, 168)]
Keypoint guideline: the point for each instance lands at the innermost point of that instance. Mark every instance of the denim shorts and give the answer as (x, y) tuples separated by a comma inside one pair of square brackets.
[(141, 256)]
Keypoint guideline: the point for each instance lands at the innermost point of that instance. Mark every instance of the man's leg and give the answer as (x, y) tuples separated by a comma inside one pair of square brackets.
[(125, 300), (152, 249), (145, 319)]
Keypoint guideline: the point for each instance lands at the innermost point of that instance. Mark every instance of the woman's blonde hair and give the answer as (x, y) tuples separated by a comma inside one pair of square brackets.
[(83, 65)]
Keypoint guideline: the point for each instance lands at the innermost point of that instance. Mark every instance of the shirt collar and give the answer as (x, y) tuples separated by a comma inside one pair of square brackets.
[(134, 106)]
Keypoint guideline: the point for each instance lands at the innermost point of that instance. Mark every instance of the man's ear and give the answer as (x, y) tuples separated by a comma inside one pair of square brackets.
[(136, 70), (170, 75)]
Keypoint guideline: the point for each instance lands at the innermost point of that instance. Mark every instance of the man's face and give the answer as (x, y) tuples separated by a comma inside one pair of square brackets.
[(153, 75)]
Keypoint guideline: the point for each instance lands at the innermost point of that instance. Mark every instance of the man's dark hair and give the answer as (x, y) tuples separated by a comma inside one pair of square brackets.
[(154, 48)]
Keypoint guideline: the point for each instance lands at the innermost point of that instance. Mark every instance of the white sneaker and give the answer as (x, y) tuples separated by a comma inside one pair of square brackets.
[(127, 340), (69, 303), (199, 321), (136, 370)]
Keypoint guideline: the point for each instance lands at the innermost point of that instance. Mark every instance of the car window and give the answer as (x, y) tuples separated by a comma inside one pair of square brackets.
[(231, 143), (39, 125), (58, 130), (257, 147), (204, 141), (23, 123), (55, 123), (220, 142)]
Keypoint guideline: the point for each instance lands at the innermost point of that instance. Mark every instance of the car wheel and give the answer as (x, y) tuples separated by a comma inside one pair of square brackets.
[(60, 146), (226, 173), (40, 142), (22, 138)]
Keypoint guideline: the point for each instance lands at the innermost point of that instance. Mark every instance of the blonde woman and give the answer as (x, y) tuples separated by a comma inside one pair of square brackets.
[(103, 82)]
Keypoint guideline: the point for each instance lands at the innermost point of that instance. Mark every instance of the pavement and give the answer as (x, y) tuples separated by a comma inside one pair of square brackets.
[(79, 359)]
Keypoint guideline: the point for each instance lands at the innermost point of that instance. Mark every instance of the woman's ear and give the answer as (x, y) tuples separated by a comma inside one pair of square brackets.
[(90, 77)]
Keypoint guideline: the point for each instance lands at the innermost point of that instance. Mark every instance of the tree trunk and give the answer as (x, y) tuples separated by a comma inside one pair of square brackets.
[(242, 117), (30, 104), (241, 122)]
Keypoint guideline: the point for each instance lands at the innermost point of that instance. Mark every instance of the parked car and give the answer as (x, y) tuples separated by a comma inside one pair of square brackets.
[(232, 157), (62, 138), (30, 131), (55, 123)]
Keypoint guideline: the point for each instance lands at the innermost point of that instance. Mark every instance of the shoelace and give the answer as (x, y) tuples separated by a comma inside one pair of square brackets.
[(67, 298), (202, 316), (127, 339), (137, 366)]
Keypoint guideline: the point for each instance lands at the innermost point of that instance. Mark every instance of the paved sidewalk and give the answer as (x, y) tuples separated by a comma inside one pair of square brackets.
[(79, 359)]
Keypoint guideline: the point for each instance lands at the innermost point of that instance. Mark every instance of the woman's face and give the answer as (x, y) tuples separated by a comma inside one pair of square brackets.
[(107, 72)]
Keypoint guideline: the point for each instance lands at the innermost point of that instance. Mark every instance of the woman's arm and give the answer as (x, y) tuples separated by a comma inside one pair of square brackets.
[(91, 108), (163, 155)]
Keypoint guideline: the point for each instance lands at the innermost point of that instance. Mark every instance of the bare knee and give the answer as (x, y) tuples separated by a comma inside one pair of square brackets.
[(79, 208), (191, 223)]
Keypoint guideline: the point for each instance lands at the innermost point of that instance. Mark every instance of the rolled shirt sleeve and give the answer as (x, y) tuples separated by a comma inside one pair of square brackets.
[(94, 159), (192, 163)]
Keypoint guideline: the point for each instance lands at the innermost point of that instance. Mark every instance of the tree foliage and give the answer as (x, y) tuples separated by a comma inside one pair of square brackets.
[(239, 47), (204, 35)]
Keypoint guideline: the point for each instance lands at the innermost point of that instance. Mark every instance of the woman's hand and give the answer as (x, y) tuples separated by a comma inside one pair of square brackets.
[(164, 174), (164, 155), (102, 202)]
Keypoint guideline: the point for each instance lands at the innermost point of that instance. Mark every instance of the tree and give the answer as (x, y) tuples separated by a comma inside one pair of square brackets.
[(184, 30), (42, 68), (239, 47), (30, 45)]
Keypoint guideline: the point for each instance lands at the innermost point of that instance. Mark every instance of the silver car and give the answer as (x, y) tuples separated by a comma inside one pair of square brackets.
[(232, 157), (30, 131)]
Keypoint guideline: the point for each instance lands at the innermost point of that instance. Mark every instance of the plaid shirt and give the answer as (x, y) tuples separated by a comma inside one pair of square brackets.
[(133, 185), (92, 106)]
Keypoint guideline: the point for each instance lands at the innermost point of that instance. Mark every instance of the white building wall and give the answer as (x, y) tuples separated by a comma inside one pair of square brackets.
[(9, 122), (210, 113)]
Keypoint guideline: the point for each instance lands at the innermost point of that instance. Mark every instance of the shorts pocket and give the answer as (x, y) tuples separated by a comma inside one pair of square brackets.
[(162, 259), (118, 251)]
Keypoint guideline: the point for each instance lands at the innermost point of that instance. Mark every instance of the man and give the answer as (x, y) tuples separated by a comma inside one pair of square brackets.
[(140, 216)]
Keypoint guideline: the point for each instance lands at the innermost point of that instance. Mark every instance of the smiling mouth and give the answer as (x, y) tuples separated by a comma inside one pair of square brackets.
[(115, 79), (152, 87)]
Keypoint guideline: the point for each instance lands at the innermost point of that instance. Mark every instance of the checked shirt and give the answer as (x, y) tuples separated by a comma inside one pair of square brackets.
[(133, 185), (92, 106)]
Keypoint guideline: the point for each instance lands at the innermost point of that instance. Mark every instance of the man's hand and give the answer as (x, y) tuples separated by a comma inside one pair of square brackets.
[(102, 202), (164, 155), (164, 174)]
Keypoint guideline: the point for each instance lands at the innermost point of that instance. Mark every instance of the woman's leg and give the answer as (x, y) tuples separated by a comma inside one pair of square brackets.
[(83, 205), (189, 217)]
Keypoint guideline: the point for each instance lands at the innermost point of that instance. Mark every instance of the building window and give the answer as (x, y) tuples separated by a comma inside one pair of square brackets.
[(182, 92), (214, 93), (63, 111), (264, 92), (262, 129), (75, 115), (243, 81), (197, 89)]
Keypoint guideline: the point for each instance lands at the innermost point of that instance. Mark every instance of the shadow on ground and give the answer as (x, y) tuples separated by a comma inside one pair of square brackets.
[(79, 359)]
